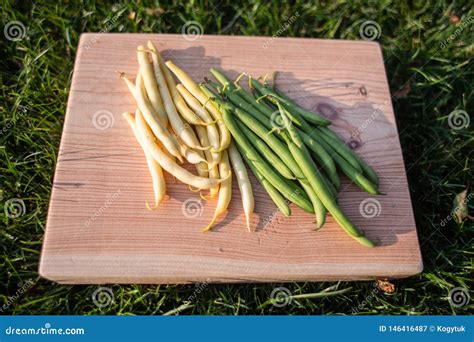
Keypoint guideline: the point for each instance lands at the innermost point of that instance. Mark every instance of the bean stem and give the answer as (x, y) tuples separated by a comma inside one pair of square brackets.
[(237, 89)]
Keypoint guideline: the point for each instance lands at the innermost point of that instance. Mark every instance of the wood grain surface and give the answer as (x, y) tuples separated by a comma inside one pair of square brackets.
[(99, 230)]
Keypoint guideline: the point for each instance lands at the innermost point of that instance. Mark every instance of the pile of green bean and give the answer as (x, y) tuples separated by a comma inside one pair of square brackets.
[(291, 151)]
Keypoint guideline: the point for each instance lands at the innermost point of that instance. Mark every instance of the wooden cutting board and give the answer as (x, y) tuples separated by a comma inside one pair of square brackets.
[(99, 230)]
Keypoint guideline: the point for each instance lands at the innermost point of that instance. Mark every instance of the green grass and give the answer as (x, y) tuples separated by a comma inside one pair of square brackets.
[(35, 75)]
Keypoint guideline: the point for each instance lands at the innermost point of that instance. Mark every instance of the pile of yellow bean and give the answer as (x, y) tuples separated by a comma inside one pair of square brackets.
[(177, 122)]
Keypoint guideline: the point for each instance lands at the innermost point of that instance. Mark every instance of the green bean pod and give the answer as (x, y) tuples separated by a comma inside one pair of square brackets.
[(279, 147), (368, 170), (302, 157), (222, 79), (330, 186), (293, 134), (294, 116), (312, 117), (307, 115), (287, 188), (227, 83), (323, 157), (353, 174), (266, 152), (319, 209), (239, 102), (339, 146), (263, 100), (240, 95), (275, 196), (316, 180)]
